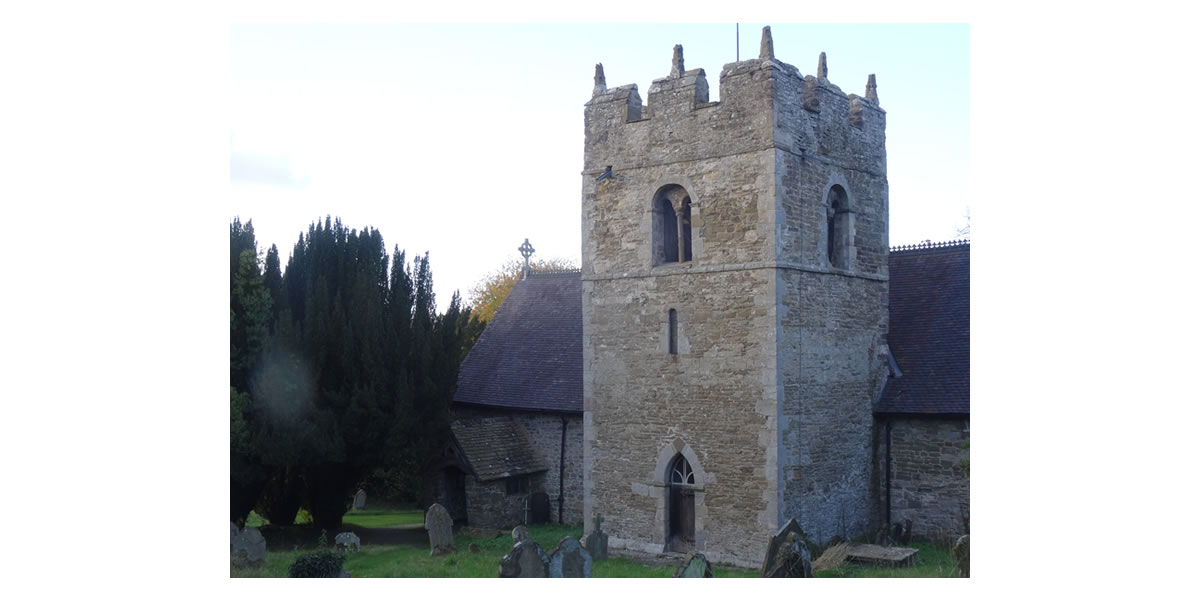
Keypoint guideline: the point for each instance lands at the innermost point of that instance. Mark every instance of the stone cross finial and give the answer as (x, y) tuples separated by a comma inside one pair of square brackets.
[(822, 68), (600, 86), (872, 95), (526, 250), (766, 48), (677, 62), (598, 519)]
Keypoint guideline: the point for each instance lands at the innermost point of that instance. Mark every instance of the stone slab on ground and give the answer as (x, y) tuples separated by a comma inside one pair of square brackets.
[(880, 556)]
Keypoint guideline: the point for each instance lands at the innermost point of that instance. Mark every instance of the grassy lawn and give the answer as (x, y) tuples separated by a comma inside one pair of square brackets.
[(361, 518), (407, 561), (383, 518)]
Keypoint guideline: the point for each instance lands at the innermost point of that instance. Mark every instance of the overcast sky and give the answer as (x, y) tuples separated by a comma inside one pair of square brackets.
[(463, 140)]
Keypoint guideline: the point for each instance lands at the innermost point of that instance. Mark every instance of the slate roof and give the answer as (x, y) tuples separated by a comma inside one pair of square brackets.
[(929, 331), (496, 448), (530, 357)]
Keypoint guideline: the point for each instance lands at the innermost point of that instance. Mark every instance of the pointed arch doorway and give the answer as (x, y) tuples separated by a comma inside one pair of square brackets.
[(681, 506)]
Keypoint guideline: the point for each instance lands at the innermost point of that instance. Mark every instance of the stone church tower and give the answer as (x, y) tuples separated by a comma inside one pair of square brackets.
[(734, 307)]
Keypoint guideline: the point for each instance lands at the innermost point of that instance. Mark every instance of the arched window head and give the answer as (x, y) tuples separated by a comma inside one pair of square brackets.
[(672, 225), (839, 228), (681, 471)]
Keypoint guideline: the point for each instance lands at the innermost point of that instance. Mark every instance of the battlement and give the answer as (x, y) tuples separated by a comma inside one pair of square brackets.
[(764, 102)]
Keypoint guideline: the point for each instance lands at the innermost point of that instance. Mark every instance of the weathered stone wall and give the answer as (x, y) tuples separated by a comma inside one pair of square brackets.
[(831, 370), (649, 404), (489, 506), (929, 484), (779, 354)]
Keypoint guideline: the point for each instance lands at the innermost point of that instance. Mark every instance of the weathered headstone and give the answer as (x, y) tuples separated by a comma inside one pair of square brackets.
[(787, 553), (441, 530), (520, 533), (570, 559), (360, 500), (233, 532), (249, 549), (905, 537), (526, 559), (346, 541), (694, 565), (962, 555), (596, 542), (884, 536)]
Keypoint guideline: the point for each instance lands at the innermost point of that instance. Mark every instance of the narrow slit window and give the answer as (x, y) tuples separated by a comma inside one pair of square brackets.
[(672, 332)]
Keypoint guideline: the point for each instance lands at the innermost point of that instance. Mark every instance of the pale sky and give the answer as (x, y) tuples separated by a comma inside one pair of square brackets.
[(463, 140)]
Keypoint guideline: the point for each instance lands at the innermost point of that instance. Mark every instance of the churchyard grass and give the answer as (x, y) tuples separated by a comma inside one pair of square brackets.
[(361, 518), (383, 518), (406, 561)]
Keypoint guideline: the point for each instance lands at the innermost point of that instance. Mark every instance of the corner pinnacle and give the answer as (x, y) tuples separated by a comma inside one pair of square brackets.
[(766, 48), (822, 68), (599, 86), (872, 95), (677, 61)]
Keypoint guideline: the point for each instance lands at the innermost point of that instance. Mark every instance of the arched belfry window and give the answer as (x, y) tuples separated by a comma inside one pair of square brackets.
[(672, 225), (839, 228)]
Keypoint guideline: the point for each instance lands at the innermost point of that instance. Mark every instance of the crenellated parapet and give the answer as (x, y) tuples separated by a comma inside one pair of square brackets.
[(764, 101)]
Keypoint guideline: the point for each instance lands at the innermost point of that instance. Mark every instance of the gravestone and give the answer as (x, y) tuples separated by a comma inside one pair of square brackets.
[(249, 549), (539, 508), (596, 542), (347, 542), (441, 530), (787, 553), (905, 537), (694, 565), (520, 533), (526, 559), (360, 500), (570, 559), (233, 532), (962, 555)]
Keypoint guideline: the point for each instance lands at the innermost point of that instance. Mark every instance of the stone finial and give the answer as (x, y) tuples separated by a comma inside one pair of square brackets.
[(822, 68), (677, 62), (766, 48), (872, 95), (599, 86)]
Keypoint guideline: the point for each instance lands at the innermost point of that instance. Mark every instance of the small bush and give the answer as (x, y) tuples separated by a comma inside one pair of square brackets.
[(317, 564)]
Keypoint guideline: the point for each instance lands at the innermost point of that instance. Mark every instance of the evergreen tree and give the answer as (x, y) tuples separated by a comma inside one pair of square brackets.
[(354, 377)]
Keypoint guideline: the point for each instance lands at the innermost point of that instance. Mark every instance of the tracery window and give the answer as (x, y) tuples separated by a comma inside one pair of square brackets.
[(681, 471)]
